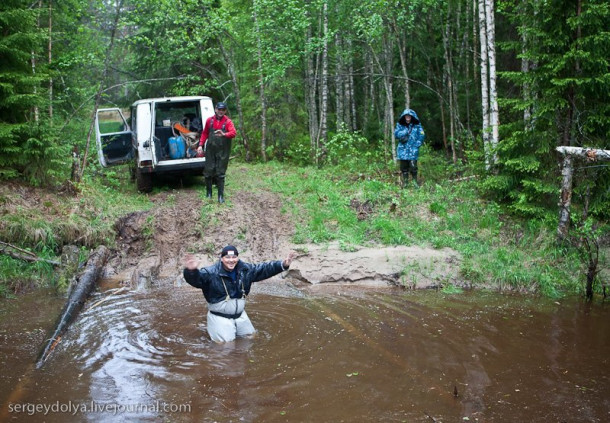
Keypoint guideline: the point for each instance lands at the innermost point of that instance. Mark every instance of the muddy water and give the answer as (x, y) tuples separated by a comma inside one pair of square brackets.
[(326, 356)]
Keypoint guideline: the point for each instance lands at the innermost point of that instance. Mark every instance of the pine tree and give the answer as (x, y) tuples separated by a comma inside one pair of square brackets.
[(564, 98)]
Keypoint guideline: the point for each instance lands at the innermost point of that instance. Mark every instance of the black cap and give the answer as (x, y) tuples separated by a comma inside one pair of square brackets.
[(229, 249), (221, 105)]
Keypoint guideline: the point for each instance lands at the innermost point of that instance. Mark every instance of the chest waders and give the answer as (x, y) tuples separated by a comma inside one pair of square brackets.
[(217, 151), (236, 314)]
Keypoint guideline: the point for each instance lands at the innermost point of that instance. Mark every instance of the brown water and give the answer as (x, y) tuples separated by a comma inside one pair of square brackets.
[(342, 355)]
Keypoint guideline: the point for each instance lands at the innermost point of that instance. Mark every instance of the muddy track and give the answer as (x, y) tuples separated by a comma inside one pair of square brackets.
[(151, 244)]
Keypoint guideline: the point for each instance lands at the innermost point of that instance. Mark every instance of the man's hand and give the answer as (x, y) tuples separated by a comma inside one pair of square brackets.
[(288, 260), (190, 262)]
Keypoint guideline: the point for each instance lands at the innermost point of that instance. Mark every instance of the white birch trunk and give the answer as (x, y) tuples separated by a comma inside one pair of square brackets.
[(321, 144), (493, 92), (484, 86)]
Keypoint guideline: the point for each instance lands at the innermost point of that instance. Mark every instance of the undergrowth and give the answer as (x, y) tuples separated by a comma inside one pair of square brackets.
[(356, 202), (85, 220)]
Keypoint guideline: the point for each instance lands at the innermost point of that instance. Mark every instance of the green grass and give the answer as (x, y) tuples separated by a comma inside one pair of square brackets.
[(363, 207), (497, 251), (86, 220)]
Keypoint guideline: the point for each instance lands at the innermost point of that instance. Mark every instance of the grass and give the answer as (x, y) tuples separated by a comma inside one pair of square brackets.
[(331, 204), (86, 220), (497, 251)]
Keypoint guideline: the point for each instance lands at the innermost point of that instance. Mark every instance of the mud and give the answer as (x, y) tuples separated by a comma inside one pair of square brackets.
[(151, 246)]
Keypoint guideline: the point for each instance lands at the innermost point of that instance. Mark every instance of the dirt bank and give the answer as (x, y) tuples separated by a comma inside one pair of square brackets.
[(151, 245)]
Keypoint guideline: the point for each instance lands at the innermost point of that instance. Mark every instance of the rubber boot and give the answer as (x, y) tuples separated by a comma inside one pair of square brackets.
[(208, 186), (220, 183), (405, 179)]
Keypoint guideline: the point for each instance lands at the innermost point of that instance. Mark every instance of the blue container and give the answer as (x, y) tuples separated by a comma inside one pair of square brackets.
[(177, 147)]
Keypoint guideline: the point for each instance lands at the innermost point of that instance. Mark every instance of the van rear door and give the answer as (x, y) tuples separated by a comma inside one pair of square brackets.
[(113, 137)]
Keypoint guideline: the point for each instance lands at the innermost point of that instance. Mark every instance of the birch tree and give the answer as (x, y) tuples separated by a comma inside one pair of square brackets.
[(489, 106), (261, 83)]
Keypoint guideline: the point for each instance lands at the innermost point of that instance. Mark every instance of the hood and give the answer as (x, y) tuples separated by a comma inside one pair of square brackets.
[(410, 112)]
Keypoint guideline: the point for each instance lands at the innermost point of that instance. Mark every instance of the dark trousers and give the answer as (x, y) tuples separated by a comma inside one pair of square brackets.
[(408, 167)]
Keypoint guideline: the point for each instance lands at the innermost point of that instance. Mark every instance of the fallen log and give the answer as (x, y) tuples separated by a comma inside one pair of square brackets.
[(76, 300)]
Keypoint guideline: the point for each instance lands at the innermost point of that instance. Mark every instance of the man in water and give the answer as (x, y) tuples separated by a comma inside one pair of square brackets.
[(225, 286)]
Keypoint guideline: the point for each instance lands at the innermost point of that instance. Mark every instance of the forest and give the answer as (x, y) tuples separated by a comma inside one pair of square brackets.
[(498, 87)]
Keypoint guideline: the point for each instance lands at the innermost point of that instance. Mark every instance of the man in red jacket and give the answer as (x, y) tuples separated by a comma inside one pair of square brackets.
[(216, 137)]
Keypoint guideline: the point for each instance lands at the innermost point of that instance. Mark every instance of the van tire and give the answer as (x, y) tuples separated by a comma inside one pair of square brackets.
[(143, 181)]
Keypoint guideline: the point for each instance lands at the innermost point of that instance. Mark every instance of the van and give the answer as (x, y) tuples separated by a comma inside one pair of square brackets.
[(157, 135)]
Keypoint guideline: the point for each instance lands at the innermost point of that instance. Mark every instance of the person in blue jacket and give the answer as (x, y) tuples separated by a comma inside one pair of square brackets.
[(225, 285), (410, 136)]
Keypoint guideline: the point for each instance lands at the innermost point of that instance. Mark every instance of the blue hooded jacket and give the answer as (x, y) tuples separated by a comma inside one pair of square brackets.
[(410, 136)]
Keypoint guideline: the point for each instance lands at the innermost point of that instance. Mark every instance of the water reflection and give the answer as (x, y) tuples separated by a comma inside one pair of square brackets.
[(340, 355)]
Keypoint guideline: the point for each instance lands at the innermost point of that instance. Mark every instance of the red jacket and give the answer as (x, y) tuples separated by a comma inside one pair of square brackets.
[(229, 130)]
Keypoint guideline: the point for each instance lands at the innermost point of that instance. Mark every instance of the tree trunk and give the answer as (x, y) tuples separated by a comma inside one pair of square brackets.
[(448, 78), (321, 140), (50, 48), (311, 87), (231, 69), (76, 301), (261, 82), (339, 88), (352, 95), (493, 92), (389, 88), (485, 130), (402, 50), (36, 109), (565, 199)]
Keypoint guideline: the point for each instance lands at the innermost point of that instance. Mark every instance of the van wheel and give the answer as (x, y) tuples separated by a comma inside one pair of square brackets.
[(143, 181)]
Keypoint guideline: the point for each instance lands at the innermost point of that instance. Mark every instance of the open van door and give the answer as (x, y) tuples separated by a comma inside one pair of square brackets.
[(113, 137)]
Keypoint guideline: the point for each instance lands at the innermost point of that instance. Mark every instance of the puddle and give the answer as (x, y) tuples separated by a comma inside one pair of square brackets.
[(330, 354)]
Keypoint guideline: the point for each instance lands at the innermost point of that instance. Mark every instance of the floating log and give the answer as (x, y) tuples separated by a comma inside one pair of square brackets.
[(76, 300)]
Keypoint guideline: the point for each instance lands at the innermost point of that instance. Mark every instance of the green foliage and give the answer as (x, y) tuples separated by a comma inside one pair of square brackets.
[(566, 95), (16, 275), (497, 251), (21, 93), (348, 149)]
